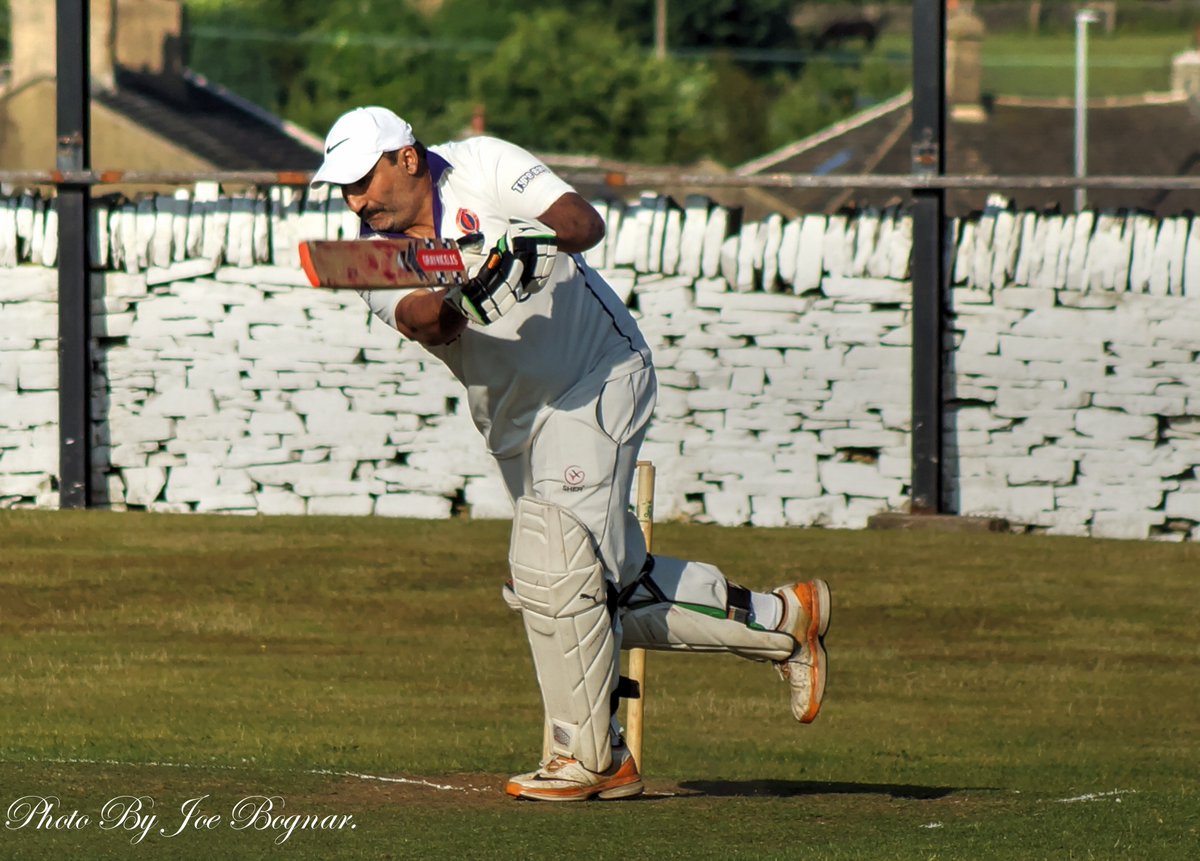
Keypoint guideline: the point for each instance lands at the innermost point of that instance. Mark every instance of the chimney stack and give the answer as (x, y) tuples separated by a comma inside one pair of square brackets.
[(149, 37), (144, 36), (33, 37)]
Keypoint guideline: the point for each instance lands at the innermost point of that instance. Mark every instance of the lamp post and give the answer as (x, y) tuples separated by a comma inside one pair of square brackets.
[(1082, 18)]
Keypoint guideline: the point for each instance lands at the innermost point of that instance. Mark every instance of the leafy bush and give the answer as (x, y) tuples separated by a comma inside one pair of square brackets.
[(827, 92), (578, 78), (563, 84)]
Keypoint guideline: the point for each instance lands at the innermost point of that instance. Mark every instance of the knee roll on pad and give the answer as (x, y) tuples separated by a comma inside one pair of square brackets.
[(687, 607), (509, 596), (560, 584)]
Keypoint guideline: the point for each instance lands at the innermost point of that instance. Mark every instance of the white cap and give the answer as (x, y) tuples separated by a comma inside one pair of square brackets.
[(357, 140)]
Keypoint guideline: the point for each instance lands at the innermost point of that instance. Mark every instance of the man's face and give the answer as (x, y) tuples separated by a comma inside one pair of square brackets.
[(389, 198)]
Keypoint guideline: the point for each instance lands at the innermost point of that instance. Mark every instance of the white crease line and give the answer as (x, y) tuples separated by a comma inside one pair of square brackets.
[(216, 767), (1096, 796), (406, 780)]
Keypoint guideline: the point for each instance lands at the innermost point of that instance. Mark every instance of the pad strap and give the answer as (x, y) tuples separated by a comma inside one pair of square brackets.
[(626, 689), (643, 579), (738, 606)]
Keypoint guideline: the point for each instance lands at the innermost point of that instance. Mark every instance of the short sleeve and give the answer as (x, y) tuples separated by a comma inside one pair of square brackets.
[(383, 303), (525, 187)]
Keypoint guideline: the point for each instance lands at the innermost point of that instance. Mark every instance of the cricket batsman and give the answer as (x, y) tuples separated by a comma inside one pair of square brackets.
[(561, 384)]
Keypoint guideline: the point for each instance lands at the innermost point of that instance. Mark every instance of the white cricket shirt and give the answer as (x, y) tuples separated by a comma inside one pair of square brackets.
[(571, 336)]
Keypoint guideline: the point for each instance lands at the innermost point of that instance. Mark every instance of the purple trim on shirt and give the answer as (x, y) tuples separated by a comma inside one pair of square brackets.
[(437, 166)]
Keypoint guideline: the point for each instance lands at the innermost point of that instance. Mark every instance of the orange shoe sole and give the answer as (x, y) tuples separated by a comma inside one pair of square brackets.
[(816, 602), (626, 783)]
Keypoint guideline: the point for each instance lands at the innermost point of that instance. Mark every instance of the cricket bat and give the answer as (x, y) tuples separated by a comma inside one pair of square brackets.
[(364, 264)]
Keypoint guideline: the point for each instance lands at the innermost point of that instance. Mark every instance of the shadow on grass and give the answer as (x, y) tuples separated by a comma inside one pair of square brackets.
[(789, 788)]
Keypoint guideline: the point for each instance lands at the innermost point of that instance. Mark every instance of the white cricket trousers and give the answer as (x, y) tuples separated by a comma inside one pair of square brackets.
[(583, 456)]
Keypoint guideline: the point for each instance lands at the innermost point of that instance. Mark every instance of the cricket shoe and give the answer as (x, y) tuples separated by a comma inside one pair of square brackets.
[(806, 618), (565, 779)]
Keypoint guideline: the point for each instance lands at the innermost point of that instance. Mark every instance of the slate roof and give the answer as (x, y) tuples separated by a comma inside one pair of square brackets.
[(214, 123), (1152, 135)]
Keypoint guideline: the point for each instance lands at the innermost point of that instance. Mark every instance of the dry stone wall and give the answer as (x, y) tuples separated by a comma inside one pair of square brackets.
[(225, 384)]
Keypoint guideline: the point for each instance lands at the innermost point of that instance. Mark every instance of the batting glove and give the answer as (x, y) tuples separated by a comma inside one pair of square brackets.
[(493, 291), (537, 248)]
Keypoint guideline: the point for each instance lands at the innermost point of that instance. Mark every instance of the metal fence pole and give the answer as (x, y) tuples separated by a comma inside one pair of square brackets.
[(928, 257), (74, 299)]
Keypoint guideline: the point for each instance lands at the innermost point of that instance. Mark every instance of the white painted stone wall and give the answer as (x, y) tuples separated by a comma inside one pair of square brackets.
[(782, 347)]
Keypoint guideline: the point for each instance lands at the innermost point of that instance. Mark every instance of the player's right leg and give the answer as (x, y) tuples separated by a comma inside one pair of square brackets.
[(567, 606), (678, 605)]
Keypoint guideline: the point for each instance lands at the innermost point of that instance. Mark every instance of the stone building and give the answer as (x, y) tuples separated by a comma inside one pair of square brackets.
[(149, 111)]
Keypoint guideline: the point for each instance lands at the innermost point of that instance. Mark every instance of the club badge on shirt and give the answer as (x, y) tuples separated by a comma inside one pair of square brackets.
[(468, 221), (573, 477)]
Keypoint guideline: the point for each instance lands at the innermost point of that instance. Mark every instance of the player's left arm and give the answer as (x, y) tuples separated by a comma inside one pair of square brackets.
[(425, 317), (546, 216), (576, 224), (526, 189)]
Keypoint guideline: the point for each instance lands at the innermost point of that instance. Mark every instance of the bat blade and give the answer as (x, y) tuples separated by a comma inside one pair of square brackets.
[(365, 264)]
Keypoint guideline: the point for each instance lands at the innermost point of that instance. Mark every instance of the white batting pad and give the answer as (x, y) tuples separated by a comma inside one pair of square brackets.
[(693, 618), (560, 584)]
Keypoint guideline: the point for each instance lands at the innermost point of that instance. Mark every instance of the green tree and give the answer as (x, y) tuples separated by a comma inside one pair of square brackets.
[(736, 113), (379, 52), (332, 58), (826, 93), (552, 75), (242, 45), (700, 23), (561, 83), (731, 24), (462, 21)]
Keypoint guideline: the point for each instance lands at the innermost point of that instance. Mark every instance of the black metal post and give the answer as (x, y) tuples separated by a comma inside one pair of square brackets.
[(74, 295), (928, 255)]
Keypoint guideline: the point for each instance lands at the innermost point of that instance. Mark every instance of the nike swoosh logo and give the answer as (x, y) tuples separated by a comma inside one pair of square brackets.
[(328, 150)]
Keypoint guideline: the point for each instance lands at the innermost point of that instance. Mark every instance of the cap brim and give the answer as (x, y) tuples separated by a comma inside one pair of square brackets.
[(344, 170)]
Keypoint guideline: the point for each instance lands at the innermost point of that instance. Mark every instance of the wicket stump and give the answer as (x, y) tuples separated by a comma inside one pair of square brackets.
[(636, 709)]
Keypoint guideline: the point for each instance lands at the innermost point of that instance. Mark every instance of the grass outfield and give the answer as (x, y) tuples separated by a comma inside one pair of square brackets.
[(990, 697), (1043, 66)]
